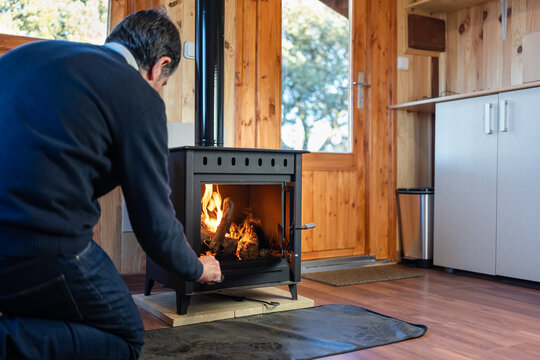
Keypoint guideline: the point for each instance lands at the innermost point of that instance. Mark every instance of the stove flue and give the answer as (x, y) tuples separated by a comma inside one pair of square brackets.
[(209, 57)]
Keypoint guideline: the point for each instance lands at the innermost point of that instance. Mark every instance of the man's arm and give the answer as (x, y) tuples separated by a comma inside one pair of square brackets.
[(142, 160)]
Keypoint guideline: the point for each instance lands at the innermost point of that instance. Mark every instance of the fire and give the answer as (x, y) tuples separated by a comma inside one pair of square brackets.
[(218, 231), (212, 212)]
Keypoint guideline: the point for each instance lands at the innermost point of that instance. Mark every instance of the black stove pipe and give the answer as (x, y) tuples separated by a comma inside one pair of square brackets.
[(209, 58)]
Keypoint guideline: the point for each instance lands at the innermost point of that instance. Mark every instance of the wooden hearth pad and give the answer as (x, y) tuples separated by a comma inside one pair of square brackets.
[(212, 307)]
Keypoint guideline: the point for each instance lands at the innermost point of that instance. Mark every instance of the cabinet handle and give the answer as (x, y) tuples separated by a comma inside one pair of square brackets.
[(487, 118), (503, 116)]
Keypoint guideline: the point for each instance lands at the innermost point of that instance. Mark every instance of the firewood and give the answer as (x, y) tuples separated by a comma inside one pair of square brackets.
[(224, 225), (229, 245), (248, 245), (206, 230)]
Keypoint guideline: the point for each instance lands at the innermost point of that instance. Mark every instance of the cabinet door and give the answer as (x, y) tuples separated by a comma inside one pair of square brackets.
[(465, 185), (518, 198)]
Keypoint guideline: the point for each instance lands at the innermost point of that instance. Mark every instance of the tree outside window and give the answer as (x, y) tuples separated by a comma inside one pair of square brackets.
[(315, 78), (73, 20)]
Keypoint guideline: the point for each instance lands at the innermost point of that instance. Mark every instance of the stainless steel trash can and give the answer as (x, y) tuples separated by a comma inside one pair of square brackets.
[(415, 214)]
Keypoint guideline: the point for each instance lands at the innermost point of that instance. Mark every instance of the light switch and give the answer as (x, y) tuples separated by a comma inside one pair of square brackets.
[(403, 63), (189, 50)]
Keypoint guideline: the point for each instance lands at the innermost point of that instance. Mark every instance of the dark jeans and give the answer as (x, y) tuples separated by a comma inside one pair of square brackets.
[(74, 306)]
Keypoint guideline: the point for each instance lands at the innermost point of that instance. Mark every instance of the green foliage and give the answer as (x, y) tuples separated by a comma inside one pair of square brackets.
[(74, 20), (315, 43)]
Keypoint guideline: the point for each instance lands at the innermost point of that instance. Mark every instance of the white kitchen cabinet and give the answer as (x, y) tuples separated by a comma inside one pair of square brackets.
[(465, 186), (518, 187), (487, 172)]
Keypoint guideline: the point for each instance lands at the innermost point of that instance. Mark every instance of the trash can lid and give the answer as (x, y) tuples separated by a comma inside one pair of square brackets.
[(415, 191)]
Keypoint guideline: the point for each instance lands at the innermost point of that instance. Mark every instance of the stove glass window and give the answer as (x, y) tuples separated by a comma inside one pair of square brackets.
[(242, 222)]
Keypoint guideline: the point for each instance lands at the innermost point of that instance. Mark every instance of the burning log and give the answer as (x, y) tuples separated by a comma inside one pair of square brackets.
[(229, 245), (224, 225), (248, 245)]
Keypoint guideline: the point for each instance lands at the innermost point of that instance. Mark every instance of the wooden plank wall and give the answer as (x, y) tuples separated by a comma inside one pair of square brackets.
[(413, 129), (477, 57), (355, 202), (258, 74)]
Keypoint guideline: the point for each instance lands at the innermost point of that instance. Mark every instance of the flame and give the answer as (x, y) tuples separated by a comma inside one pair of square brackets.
[(211, 205), (243, 233)]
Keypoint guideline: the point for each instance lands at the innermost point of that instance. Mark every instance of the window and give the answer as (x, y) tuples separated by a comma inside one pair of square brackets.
[(74, 20), (315, 76)]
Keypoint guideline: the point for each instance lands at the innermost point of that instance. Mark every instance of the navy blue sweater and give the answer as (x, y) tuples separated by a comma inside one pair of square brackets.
[(75, 122)]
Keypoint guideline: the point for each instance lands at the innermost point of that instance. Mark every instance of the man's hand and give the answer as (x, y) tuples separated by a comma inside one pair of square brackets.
[(211, 270)]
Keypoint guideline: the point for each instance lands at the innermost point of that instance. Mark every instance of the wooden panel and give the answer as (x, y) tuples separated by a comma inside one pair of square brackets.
[(320, 215), (258, 74), (411, 87), (533, 16), (8, 42), (413, 129), (381, 178), (229, 79), (414, 141), (118, 9), (339, 6), (109, 236), (327, 254), (477, 58), (329, 201), (518, 30), (187, 76), (361, 63), (133, 256), (269, 75), (450, 60), (426, 33), (492, 47), (328, 161), (307, 210), (246, 73), (347, 212), (179, 94), (443, 5)]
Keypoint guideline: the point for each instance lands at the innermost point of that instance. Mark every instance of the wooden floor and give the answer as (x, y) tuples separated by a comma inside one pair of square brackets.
[(467, 317)]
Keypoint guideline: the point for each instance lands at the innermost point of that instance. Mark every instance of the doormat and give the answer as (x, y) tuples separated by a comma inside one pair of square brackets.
[(295, 334), (363, 275)]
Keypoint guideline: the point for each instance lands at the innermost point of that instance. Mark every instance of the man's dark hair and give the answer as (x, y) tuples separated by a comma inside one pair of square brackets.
[(149, 35)]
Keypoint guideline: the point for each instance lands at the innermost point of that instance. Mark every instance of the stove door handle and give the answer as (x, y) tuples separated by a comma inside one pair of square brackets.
[(306, 226)]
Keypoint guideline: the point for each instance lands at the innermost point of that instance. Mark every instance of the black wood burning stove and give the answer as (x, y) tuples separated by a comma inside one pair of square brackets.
[(267, 183), (264, 185)]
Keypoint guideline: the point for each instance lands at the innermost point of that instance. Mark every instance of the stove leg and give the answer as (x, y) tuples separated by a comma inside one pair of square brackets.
[(182, 303), (149, 283), (294, 293)]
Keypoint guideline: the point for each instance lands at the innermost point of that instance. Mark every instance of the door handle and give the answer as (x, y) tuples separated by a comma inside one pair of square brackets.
[(503, 116), (361, 85), (306, 226), (487, 118)]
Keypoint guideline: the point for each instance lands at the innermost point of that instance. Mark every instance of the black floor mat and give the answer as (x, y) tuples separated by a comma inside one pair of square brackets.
[(296, 334)]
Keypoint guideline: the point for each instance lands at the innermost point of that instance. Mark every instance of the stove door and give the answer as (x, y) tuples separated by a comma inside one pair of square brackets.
[(291, 235)]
